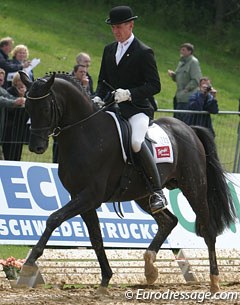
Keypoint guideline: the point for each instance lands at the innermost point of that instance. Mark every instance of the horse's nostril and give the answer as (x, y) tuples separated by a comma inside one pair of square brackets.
[(39, 150)]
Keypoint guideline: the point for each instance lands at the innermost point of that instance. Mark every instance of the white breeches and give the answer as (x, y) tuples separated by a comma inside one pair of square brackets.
[(139, 123)]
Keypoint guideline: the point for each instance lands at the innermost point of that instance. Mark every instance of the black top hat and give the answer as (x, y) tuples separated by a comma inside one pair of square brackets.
[(120, 14)]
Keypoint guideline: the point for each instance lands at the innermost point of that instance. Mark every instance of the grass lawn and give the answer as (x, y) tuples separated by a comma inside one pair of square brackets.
[(58, 37), (15, 251)]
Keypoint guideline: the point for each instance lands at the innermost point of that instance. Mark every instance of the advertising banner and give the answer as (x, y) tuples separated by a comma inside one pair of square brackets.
[(30, 192)]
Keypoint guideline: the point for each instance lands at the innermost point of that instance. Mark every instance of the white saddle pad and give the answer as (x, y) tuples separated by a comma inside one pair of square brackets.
[(162, 147)]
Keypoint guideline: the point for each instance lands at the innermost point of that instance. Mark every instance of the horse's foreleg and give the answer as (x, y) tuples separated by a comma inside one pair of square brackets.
[(166, 221), (30, 275), (92, 222), (68, 211)]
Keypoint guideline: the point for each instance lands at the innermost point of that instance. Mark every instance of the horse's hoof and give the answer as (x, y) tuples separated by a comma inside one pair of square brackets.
[(29, 276), (102, 291), (151, 272), (214, 284)]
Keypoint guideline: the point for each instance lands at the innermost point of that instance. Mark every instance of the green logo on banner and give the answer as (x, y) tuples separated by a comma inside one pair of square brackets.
[(190, 226)]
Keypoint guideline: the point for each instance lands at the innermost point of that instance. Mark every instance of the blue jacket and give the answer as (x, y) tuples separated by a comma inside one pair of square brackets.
[(200, 102)]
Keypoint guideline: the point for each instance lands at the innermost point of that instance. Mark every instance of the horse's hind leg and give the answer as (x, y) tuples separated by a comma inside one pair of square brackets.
[(197, 197), (166, 221), (210, 239), (92, 222)]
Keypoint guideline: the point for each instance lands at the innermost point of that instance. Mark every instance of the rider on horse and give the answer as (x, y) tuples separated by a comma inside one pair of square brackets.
[(130, 66)]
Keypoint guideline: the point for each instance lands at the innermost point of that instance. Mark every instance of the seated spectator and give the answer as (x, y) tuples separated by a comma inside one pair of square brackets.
[(6, 45), (18, 88), (15, 128), (6, 100), (80, 72), (203, 100), (85, 60)]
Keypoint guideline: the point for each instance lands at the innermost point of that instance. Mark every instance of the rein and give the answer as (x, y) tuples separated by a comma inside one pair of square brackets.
[(57, 130)]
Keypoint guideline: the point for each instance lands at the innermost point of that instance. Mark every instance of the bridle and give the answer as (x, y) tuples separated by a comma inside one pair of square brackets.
[(38, 98), (55, 115), (55, 110)]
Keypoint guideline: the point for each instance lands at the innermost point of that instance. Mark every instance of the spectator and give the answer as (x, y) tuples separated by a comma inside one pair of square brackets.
[(18, 88), (6, 100), (80, 72), (187, 77), (20, 55), (15, 127), (6, 45), (203, 100), (85, 60)]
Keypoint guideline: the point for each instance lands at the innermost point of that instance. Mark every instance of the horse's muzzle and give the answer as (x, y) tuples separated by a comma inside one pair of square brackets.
[(38, 145), (37, 149)]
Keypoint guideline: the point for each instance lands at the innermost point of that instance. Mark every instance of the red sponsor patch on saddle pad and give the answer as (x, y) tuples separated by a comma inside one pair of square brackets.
[(162, 151)]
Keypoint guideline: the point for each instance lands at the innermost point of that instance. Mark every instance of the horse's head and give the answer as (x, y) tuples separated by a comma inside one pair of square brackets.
[(39, 105)]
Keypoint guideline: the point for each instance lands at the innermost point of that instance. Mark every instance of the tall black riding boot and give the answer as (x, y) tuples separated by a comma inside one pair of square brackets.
[(157, 200)]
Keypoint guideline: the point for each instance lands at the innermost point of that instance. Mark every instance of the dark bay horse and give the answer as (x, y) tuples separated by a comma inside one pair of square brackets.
[(91, 166)]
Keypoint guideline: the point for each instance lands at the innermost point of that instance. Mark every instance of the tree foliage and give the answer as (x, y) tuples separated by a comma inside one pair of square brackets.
[(218, 20)]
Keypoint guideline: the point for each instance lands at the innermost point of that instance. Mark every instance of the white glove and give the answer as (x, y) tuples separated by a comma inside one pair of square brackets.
[(122, 95), (98, 101)]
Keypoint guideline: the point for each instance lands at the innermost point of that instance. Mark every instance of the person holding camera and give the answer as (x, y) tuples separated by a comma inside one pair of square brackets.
[(203, 100)]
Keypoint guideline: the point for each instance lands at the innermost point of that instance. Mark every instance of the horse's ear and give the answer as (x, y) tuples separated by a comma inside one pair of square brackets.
[(50, 81), (25, 79)]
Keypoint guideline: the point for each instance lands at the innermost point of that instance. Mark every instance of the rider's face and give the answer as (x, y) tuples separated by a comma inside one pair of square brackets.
[(122, 31)]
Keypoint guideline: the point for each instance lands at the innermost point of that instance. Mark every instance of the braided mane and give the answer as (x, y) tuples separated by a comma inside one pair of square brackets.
[(68, 77)]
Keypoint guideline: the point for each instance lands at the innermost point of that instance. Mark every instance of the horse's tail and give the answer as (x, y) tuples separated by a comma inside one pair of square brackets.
[(220, 202)]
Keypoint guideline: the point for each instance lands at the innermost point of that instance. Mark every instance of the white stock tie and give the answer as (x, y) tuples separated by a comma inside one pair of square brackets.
[(119, 53)]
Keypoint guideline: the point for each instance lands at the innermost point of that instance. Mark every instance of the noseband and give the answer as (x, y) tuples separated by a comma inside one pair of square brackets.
[(54, 111), (38, 98)]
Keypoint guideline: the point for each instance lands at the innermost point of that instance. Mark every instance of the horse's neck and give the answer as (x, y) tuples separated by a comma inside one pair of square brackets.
[(73, 105)]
